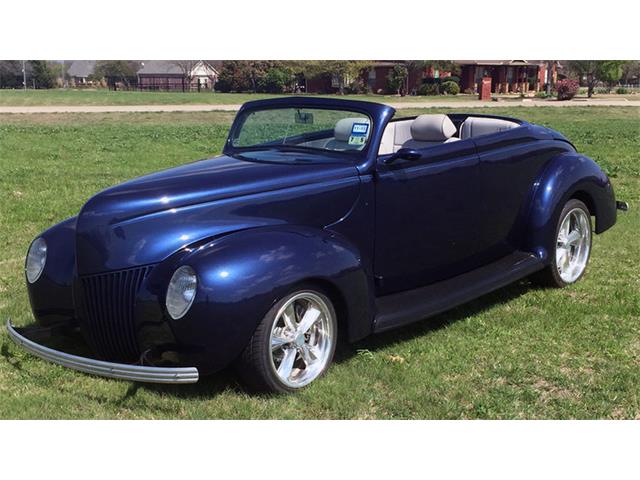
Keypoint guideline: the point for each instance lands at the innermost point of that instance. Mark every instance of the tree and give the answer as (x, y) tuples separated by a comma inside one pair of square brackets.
[(594, 71), (10, 74), (278, 79), (256, 76), (397, 79), (241, 75), (584, 70), (186, 67), (441, 65), (42, 76), (610, 71), (58, 71), (631, 72), (115, 71), (444, 65), (342, 72)]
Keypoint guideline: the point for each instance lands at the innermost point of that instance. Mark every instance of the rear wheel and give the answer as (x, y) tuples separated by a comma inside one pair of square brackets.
[(293, 345), (572, 246)]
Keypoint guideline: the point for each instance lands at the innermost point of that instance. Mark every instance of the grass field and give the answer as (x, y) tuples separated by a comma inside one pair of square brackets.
[(77, 97), (107, 97), (521, 352)]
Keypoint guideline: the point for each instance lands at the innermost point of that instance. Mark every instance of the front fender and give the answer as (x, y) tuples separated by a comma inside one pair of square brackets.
[(242, 275), (567, 176), (51, 296)]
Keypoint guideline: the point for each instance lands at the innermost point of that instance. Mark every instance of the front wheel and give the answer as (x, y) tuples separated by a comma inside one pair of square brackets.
[(293, 345), (572, 246)]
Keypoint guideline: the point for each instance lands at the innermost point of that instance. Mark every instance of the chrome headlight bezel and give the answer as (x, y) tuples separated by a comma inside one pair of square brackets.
[(36, 260), (181, 292)]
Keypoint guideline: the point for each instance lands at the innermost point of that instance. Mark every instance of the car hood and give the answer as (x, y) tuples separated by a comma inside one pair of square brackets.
[(146, 219)]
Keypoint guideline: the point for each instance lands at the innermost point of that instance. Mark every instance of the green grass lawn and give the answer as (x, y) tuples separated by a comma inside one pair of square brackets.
[(78, 97), (107, 97), (520, 352)]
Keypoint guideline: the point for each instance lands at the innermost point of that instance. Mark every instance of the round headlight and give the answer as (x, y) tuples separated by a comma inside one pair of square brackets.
[(36, 258), (181, 291)]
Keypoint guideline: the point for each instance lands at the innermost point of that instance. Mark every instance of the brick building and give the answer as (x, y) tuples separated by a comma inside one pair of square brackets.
[(507, 76)]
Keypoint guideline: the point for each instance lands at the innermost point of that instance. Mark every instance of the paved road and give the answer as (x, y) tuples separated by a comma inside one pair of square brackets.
[(458, 105)]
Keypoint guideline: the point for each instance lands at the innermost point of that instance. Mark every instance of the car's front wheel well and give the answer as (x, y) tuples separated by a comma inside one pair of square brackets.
[(337, 298)]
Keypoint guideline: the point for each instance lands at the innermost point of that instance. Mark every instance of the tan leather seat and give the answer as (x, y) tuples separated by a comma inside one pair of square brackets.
[(421, 132), (342, 132), (476, 126)]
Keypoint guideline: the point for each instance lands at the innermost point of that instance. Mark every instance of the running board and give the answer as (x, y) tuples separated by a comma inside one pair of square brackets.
[(407, 307)]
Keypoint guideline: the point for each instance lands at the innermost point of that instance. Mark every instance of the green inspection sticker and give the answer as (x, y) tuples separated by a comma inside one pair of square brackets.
[(357, 140)]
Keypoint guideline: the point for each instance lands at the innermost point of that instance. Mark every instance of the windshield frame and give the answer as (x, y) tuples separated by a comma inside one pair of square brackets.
[(244, 113)]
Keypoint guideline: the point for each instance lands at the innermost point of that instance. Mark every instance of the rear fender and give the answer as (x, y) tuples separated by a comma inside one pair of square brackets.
[(567, 176)]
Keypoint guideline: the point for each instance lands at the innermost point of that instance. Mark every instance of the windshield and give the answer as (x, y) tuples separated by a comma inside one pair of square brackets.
[(303, 128)]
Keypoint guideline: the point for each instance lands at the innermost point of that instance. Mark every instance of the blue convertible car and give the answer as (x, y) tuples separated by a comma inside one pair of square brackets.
[(323, 217)]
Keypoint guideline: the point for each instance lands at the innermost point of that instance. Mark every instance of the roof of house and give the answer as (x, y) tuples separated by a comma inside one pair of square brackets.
[(81, 68), (386, 63), (503, 62), (156, 67), (171, 67)]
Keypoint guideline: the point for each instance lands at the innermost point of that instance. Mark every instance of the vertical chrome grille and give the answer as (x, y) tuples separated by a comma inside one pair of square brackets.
[(109, 300)]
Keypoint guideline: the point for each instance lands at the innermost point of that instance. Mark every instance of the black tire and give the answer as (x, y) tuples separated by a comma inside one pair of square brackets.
[(255, 367), (550, 277)]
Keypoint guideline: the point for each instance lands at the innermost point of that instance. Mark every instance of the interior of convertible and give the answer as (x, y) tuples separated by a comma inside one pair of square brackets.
[(434, 129), (338, 130), (420, 132)]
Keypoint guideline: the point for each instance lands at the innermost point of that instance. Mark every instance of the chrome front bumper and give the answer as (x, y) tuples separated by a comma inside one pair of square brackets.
[(123, 371)]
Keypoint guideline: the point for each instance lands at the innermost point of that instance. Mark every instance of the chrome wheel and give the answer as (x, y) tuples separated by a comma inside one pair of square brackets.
[(302, 339), (573, 245)]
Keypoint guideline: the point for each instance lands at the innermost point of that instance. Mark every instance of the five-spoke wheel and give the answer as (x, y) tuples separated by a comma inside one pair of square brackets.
[(293, 345), (572, 246)]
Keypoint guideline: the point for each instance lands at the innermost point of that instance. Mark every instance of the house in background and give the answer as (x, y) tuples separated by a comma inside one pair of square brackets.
[(80, 71), (508, 76), (171, 75), (378, 76)]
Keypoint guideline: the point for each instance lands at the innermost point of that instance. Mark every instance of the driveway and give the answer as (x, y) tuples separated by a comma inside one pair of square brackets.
[(458, 105)]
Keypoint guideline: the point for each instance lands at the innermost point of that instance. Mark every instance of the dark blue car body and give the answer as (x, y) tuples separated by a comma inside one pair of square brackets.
[(392, 243)]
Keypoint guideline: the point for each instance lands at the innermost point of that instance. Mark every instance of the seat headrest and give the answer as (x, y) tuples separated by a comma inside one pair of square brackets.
[(343, 128), (476, 126), (432, 128)]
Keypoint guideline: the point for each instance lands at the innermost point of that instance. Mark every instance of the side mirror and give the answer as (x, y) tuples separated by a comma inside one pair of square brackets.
[(405, 154)]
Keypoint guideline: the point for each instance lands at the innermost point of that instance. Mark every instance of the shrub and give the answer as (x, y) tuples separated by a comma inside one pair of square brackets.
[(567, 89), (397, 78), (276, 80), (428, 89), (358, 86), (42, 76), (602, 90), (450, 88), (223, 84), (542, 94), (621, 91)]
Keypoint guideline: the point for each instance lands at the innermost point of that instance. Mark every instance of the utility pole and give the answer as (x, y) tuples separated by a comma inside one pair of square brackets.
[(24, 75), (549, 76)]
